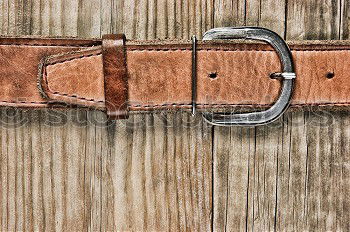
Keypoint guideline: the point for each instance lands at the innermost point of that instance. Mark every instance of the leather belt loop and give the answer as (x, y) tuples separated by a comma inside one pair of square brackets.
[(115, 75)]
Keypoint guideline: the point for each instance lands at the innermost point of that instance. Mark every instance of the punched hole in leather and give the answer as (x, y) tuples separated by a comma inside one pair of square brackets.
[(115, 75)]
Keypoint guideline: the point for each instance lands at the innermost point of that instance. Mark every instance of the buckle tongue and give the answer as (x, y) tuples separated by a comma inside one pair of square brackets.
[(287, 77)]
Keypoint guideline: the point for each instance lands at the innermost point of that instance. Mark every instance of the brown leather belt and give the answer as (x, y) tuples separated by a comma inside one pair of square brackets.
[(122, 77)]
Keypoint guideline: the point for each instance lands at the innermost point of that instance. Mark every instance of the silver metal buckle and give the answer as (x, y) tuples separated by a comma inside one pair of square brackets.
[(287, 76)]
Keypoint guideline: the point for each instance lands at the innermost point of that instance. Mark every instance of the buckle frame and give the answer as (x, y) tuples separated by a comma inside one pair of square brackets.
[(287, 77)]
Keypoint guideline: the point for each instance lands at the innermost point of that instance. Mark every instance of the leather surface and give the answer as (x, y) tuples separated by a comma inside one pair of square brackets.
[(115, 75), (159, 74), (19, 59)]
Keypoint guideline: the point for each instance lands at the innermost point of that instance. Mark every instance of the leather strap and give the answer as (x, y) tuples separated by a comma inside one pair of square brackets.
[(72, 72), (115, 75)]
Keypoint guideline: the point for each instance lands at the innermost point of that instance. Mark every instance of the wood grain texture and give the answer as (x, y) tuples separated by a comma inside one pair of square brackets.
[(172, 171)]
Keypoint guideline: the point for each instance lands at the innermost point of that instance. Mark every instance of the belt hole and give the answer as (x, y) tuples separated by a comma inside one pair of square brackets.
[(213, 75), (330, 75)]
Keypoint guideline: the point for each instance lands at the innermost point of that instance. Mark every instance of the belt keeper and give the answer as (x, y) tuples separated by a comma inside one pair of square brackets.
[(115, 76)]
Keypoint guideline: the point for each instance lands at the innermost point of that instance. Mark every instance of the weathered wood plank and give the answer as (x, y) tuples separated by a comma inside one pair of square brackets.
[(344, 20), (292, 176), (268, 13), (151, 187), (229, 13), (313, 19), (344, 167)]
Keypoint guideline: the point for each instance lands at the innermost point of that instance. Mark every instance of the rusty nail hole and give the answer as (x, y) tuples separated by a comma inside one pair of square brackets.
[(213, 75), (330, 75)]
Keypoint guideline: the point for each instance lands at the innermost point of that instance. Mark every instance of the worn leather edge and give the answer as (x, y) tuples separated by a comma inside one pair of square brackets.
[(61, 97)]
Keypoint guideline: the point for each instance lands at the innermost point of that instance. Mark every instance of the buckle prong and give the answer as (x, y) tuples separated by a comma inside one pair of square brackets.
[(282, 76), (287, 77)]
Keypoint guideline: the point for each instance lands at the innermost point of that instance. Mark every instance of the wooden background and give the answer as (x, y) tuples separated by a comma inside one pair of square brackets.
[(156, 172)]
